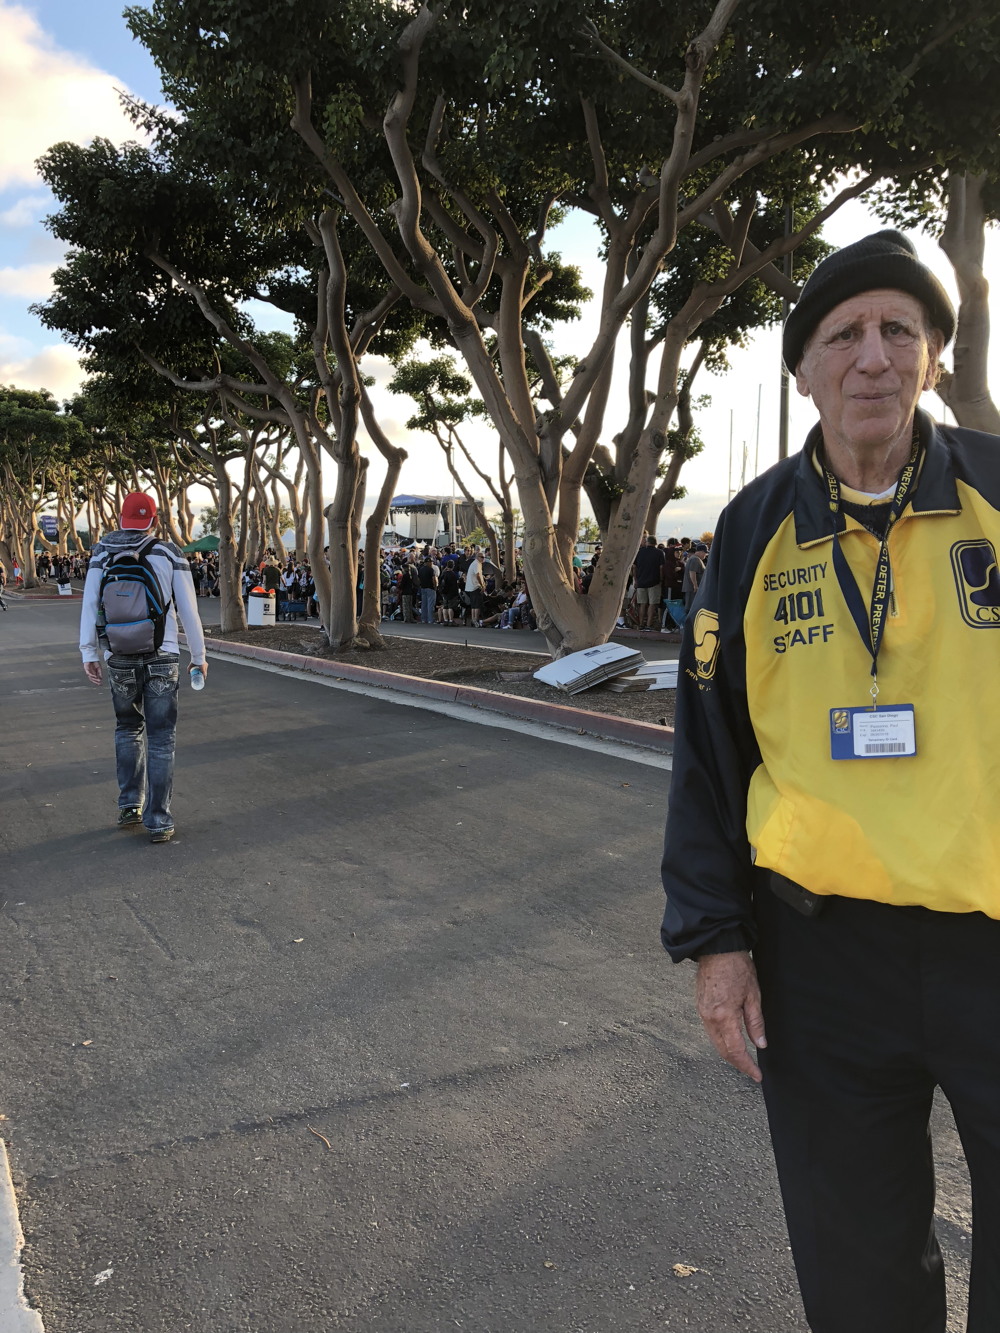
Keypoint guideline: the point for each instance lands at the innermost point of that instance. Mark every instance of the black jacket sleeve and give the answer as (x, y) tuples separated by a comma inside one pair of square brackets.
[(707, 870)]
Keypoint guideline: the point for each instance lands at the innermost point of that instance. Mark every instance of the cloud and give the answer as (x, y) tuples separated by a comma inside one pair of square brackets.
[(26, 211), (47, 95), (380, 369), (13, 345), (56, 368), (32, 281)]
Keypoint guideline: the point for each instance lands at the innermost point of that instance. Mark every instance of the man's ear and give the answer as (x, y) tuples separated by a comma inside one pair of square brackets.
[(935, 346)]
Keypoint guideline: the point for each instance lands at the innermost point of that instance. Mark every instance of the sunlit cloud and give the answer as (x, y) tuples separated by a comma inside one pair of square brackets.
[(26, 211), (32, 281), (48, 95), (56, 368)]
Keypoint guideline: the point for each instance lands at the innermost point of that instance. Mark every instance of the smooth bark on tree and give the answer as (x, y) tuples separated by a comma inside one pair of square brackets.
[(344, 539), (215, 448), (965, 389), (232, 612), (369, 630), (161, 486), (664, 492), (21, 524)]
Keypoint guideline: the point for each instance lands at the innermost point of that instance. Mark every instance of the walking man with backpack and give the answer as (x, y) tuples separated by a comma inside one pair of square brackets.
[(136, 585)]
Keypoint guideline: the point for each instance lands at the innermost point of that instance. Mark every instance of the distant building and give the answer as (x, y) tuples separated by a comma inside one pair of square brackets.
[(430, 517)]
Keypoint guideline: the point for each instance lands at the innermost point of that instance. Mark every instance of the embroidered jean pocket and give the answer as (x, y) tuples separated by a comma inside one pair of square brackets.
[(122, 682), (163, 677)]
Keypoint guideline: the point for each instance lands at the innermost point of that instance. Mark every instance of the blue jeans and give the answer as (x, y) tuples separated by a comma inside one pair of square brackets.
[(144, 693), (428, 601)]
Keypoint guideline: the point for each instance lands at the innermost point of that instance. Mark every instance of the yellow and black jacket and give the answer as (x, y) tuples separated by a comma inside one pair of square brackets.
[(771, 648)]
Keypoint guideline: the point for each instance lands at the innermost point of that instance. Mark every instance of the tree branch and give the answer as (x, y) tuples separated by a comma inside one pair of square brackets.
[(589, 30), (304, 127)]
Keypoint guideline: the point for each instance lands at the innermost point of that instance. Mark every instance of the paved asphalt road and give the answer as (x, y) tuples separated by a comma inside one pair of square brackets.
[(384, 1040)]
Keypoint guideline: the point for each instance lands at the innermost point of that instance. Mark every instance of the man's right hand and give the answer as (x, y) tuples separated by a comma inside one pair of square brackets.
[(728, 998), (93, 670)]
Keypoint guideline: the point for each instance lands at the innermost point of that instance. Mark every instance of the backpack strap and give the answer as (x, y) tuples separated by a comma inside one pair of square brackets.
[(142, 553)]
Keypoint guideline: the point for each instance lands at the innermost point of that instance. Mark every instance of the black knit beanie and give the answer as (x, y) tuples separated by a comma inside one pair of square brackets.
[(887, 259)]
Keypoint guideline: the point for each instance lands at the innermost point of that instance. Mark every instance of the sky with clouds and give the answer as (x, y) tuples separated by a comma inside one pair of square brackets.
[(63, 64)]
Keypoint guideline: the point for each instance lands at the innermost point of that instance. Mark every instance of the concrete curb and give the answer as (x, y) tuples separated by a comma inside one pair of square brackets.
[(16, 1316), (582, 721), (43, 596)]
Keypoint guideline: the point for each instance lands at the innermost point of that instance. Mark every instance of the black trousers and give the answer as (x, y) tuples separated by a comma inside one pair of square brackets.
[(868, 1008)]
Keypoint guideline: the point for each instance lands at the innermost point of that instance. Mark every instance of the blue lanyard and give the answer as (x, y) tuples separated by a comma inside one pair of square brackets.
[(871, 623)]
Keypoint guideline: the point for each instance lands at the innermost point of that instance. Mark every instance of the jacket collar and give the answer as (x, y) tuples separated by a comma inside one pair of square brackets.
[(936, 492)]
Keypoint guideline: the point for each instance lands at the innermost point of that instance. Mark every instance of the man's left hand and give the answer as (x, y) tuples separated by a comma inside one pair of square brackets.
[(728, 998)]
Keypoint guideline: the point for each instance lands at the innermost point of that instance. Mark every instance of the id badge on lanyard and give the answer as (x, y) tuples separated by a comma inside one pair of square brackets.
[(879, 731)]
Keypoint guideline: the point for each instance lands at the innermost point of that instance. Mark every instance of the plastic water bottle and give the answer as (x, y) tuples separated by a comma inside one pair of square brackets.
[(197, 678)]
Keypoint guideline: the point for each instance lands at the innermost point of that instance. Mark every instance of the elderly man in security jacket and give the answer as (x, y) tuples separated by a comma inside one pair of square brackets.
[(832, 856)]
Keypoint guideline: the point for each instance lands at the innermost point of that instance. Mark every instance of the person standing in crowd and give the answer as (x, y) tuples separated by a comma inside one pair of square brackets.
[(648, 571), (143, 683), (449, 589), (427, 576), (409, 588), (694, 570), (475, 589), (309, 591), (832, 856), (270, 577), (673, 573)]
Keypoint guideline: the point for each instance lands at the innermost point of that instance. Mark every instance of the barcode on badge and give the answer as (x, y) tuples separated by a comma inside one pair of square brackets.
[(886, 747)]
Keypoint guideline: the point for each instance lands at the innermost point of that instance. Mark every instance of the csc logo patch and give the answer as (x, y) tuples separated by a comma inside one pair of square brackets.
[(706, 643), (977, 580)]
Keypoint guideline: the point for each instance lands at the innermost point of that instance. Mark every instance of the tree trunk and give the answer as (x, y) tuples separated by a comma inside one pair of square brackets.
[(165, 513), (25, 555), (232, 612), (664, 493), (258, 536), (343, 528), (371, 608), (64, 517), (491, 536), (966, 389), (302, 526), (275, 516), (185, 516), (509, 551)]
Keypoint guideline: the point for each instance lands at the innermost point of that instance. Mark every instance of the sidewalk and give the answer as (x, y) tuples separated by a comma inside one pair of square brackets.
[(655, 646)]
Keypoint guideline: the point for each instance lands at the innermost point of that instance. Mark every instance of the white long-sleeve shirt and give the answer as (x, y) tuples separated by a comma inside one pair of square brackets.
[(173, 574)]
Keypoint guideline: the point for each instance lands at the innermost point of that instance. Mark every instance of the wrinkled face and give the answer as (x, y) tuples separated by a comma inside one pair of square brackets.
[(866, 365)]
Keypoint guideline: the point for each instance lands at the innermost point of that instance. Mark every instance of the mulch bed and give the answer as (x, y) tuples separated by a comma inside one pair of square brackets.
[(485, 668)]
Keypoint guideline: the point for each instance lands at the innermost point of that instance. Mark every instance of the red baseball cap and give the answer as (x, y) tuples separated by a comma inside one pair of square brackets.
[(138, 510)]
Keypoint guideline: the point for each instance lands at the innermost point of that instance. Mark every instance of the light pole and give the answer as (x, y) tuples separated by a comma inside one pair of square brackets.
[(786, 267)]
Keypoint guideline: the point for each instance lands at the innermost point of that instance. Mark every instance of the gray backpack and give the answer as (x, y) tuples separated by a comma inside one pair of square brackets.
[(131, 615)]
